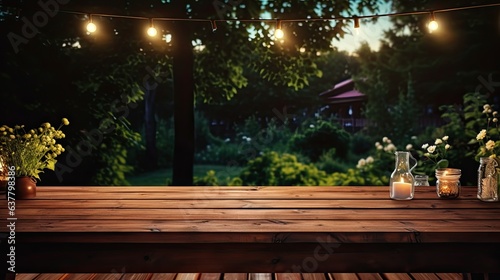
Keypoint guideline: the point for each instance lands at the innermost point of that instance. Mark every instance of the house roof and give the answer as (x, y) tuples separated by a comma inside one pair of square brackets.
[(342, 92), (350, 96)]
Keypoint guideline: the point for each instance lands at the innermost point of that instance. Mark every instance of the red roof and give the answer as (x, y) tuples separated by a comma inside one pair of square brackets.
[(349, 96)]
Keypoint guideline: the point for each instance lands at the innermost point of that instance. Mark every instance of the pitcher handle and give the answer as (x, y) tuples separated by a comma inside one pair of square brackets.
[(416, 162)]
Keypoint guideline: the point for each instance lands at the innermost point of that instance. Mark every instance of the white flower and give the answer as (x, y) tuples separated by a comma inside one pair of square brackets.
[(369, 159), (424, 146), (445, 138), (431, 149), (438, 141), (495, 113), (390, 148), (361, 163), (385, 140), (490, 145), (495, 120), (481, 135), (447, 147), (409, 147)]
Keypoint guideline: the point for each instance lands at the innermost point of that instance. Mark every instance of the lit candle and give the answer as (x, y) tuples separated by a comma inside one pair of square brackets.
[(401, 190)]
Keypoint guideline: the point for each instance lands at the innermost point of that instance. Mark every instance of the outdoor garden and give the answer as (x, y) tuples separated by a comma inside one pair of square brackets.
[(231, 105)]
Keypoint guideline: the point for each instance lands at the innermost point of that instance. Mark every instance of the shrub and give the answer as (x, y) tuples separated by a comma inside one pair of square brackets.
[(320, 137), (273, 169)]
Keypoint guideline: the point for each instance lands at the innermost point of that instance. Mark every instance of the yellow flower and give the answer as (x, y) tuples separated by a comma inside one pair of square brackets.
[(490, 145), (481, 135), (12, 136), (65, 121)]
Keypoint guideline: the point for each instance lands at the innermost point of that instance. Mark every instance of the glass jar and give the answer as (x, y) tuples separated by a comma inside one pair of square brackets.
[(448, 182), (421, 180), (401, 183), (487, 179)]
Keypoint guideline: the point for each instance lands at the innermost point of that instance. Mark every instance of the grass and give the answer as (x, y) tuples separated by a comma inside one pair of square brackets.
[(163, 177)]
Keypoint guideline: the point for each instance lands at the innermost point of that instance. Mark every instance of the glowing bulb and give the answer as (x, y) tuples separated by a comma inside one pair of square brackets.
[(433, 25), (91, 27), (278, 33), (152, 31)]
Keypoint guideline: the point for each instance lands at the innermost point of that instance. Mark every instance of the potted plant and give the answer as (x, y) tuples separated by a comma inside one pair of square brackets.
[(30, 151)]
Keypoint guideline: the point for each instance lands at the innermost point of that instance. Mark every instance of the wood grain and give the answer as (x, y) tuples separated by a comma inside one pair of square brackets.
[(252, 229)]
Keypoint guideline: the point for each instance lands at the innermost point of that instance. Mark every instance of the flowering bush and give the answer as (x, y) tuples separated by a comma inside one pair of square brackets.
[(437, 153), (488, 146), (31, 151)]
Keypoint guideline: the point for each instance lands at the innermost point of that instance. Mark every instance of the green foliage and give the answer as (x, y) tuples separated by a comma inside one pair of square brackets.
[(319, 137), (250, 140), (210, 179), (273, 169), (329, 163)]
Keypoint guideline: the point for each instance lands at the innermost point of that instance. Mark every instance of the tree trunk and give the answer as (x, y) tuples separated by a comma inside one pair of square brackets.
[(151, 151), (183, 62)]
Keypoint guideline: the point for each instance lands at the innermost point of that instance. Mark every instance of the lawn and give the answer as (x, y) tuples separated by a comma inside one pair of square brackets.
[(162, 177)]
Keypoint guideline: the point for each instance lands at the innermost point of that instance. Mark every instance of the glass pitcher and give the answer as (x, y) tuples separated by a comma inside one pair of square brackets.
[(402, 183)]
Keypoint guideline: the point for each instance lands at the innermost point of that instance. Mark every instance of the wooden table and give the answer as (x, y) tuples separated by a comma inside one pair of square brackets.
[(251, 229)]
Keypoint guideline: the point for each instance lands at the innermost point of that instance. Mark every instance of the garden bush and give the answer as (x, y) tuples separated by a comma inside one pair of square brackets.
[(273, 169), (319, 137)]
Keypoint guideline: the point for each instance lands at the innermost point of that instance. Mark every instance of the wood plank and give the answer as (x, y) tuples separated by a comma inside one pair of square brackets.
[(136, 276), (79, 276), (250, 203), (310, 192), (50, 276), (369, 276), (163, 276), (424, 276), (259, 237), (210, 276), (235, 276), (107, 276), (187, 276), (449, 276), (250, 214), (260, 276), (26, 276), (313, 276), (288, 276), (343, 276), (398, 276), (257, 225)]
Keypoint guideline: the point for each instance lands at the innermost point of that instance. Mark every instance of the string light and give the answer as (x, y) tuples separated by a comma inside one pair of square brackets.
[(214, 25), (91, 27), (433, 25), (356, 25), (152, 30), (279, 34)]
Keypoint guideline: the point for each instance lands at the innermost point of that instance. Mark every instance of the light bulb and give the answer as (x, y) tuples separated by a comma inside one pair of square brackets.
[(91, 27), (356, 25), (152, 31), (278, 33), (433, 25)]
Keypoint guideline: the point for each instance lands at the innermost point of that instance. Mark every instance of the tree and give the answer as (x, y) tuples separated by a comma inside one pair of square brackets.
[(229, 47)]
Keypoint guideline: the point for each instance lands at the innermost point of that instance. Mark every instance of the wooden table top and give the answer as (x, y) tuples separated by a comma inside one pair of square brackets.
[(251, 215)]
